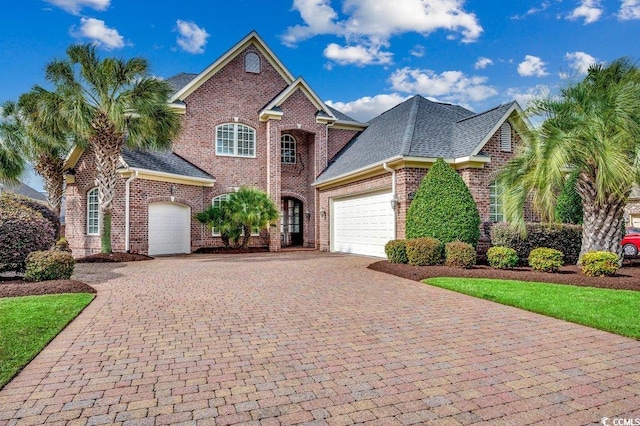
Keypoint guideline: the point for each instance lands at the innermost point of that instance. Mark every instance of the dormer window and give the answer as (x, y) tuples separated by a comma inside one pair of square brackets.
[(505, 137), (252, 63)]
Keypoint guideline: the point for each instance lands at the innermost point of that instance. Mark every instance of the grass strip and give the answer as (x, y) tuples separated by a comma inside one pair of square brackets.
[(615, 311), (28, 324)]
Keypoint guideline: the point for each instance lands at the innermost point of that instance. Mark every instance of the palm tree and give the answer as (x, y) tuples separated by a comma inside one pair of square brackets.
[(592, 127), (251, 208), (219, 217), (107, 104), (12, 163)]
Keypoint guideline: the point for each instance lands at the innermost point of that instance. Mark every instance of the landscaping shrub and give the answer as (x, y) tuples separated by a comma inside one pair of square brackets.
[(569, 204), (396, 251), (9, 200), (544, 259), (62, 245), (424, 251), (443, 208), (22, 230), (502, 257), (562, 237), (599, 264), (49, 265), (459, 255)]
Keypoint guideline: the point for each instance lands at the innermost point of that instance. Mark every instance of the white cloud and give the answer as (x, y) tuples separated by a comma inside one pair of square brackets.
[(449, 86), (368, 107), (482, 63), (525, 96), (532, 11), (99, 33), (75, 6), (580, 61), (417, 51), (191, 37), (371, 23), (589, 10), (532, 66), (629, 9), (357, 55)]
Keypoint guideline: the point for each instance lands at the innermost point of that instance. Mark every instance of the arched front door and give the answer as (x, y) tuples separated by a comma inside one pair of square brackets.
[(291, 222)]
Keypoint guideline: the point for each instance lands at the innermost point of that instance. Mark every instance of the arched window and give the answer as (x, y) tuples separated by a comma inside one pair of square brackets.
[(93, 212), (288, 149), (252, 63), (236, 140), (495, 202), (505, 137)]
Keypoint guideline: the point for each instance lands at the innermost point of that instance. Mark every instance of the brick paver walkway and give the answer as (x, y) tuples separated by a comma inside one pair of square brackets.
[(310, 338)]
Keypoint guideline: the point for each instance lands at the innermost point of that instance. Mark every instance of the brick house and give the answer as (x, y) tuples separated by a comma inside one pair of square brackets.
[(341, 185)]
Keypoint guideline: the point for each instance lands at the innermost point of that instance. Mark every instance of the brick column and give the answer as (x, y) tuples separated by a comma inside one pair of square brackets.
[(273, 179)]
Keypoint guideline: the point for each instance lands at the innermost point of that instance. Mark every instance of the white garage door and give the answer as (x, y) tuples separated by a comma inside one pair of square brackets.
[(169, 228), (362, 224)]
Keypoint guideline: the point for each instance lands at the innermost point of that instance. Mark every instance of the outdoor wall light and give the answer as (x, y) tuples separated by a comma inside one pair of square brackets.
[(323, 213), (394, 203), (307, 215)]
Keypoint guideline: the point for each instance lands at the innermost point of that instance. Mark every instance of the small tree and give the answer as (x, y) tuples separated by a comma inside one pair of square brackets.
[(218, 218), (251, 208), (443, 208), (569, 204)]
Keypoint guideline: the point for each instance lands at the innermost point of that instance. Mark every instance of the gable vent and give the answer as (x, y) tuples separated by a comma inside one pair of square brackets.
[(505, 137), (252, 63)]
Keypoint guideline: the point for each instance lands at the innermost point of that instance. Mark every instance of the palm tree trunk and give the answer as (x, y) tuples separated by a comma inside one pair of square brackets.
[(51, 170), (603, 225), (245, 236), (106, 145)]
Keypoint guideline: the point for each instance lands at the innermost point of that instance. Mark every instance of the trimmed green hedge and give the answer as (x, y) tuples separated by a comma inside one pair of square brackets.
[(562, 237), (459, 255), (443, 208), (544, 259), (49, 265), (599, 264), (396, 251), (424, 251), (502, 258)]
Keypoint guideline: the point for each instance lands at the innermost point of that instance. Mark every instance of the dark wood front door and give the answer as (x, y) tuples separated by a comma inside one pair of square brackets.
[(291, 222)]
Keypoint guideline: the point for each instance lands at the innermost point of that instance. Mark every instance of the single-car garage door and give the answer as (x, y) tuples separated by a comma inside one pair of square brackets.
[(169, 228), (362, 224)]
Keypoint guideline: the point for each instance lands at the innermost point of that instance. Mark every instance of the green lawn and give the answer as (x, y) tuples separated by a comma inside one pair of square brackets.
[(27, 324), (616, 311)]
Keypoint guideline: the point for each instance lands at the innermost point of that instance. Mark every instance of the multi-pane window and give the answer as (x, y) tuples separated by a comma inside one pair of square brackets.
[(495, 202), (235, 140), (505, 137), (93, 212), (288, 149)]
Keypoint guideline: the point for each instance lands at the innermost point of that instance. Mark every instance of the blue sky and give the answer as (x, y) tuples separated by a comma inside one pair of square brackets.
[(361, 56)]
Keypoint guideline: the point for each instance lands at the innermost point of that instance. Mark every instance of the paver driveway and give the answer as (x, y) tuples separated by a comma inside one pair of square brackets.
[(313, 338)]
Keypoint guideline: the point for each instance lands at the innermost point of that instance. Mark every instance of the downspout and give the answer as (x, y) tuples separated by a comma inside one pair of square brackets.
[(127, 192), (394, 198)]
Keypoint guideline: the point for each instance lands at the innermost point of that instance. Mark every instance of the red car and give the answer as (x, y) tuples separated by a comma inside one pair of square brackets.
[(631, 242)]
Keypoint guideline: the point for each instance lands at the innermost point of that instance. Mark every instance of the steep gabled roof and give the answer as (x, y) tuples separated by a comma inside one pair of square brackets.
[(298, 84), (179, 81), (418, 128), (250, 39)]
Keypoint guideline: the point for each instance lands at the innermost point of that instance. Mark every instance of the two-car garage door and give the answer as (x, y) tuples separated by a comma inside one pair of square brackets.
[(169, 228), (362, 224)]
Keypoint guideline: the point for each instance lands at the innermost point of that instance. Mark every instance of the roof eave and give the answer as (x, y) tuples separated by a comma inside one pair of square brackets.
[(166, 177)]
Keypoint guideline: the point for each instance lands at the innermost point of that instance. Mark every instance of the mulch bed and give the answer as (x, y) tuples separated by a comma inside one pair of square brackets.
[(628, 277), (13, 286)]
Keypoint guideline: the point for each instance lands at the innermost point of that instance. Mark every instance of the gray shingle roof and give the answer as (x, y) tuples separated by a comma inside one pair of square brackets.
[(163, 161), (24, 190), (417, 127), (178, 81), (342, 116)]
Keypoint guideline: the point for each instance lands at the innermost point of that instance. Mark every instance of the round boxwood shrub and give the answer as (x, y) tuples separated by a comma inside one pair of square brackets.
[(544, 259), (22, 230), (459, 255), (49, 265), (424, 251), (396, 251), (502, 257), (599, 264), (443, 208)]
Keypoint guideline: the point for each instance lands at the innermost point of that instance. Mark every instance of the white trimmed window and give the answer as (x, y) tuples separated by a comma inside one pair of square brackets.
[(288, 149), (235, 140), (505, 137), (93, 212), (217, 202), (252, 63), (495, 202)]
